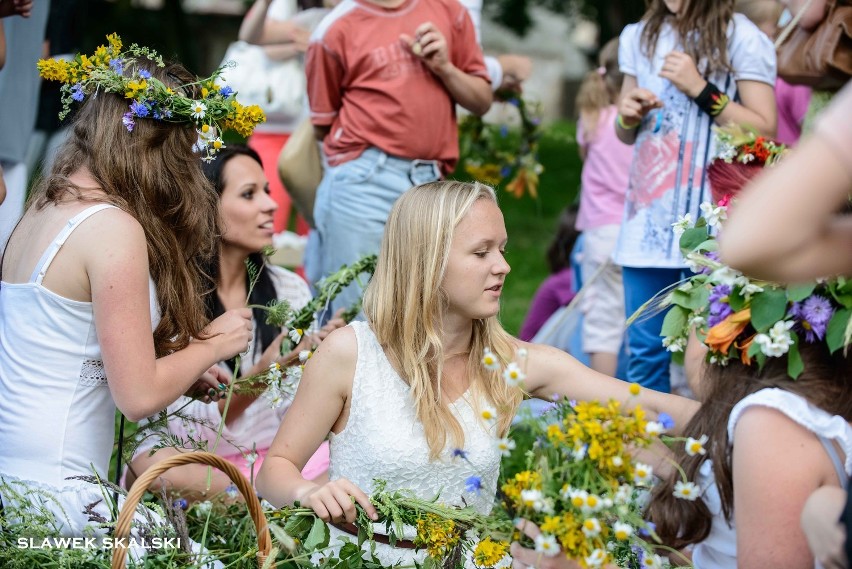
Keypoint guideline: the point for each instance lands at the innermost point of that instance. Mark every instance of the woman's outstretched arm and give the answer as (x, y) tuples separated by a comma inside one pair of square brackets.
[(553, 372)]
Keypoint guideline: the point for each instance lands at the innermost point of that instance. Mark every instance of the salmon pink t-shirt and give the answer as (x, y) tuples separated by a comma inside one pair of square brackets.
[(372, 91)]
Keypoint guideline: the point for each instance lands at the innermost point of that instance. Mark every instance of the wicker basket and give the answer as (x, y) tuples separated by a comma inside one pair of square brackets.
[(128, 509)]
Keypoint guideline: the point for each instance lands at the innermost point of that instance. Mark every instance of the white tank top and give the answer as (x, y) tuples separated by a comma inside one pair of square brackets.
[(56, 411), (719, 549)]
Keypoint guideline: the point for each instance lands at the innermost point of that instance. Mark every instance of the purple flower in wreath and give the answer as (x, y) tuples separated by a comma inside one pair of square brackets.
[(139, 109), (117, 65), (226, 91), (812, 316), (144, 74), (77, 92), (719, 308), (459, 453), (127, 121)]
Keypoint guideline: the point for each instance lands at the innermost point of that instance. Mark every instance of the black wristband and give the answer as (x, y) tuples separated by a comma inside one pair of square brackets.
[(711, 100)]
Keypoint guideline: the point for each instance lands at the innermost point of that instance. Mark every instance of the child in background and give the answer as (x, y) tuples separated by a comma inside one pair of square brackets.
[(689, 64), (557, 290), (792, 100), (606, 169)]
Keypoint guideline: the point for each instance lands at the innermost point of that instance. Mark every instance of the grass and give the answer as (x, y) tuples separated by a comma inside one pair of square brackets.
[(531, 223)]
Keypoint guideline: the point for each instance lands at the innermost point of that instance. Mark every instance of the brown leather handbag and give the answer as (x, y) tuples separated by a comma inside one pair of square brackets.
[(300, 168), (821, 57)]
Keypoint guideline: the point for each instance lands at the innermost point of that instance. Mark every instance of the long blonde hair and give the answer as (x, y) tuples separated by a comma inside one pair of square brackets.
[(599, 89), (405, 303)]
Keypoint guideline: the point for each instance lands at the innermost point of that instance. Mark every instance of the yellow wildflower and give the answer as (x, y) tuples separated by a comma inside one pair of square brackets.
[(488, 553)]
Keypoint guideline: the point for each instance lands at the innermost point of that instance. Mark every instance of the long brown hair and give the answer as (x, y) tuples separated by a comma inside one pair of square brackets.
[(599, 89), (152, 174), (701, 28), (824, 383), (404, 304)]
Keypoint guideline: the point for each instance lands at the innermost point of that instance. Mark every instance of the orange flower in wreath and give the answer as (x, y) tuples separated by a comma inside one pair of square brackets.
[(722, 335)]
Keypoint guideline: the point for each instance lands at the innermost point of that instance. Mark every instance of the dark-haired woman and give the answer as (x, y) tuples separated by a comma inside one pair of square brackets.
[(251, 421)]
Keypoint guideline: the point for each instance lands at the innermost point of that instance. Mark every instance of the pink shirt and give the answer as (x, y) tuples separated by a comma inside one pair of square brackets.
[(372, 91), (793, 101), (605, 173)]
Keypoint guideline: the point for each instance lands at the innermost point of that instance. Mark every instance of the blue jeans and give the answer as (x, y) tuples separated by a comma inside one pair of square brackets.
[(352, 206), (648, 361)]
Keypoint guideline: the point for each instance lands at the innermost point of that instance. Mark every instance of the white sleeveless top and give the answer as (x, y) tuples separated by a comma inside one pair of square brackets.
[(719, 549), (57, 415), (383, 439)]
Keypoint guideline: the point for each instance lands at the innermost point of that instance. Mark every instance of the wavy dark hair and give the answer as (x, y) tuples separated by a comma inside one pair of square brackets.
[(824, 383), (701, 28), (153, 174), (264, 289)]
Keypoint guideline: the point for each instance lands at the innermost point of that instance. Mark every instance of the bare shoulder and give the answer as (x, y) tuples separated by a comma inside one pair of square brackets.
[(761, 427), (340, 346), (336, 355)]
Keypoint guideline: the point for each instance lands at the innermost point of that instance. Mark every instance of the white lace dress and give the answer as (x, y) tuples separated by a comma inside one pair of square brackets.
[(383, 439), (719, 548)]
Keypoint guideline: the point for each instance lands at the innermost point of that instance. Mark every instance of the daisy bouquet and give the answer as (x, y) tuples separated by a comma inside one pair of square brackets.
[(581, 480), (584, 488)]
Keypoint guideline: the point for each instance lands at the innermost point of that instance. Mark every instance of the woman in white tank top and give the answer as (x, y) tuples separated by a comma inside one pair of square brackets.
[(107, 253), (403, 390)]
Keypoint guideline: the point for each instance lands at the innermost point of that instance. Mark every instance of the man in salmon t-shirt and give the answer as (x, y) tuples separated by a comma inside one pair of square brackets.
[(384, 77)]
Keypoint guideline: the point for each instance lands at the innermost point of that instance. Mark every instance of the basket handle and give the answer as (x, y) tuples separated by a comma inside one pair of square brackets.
[(128, 509)]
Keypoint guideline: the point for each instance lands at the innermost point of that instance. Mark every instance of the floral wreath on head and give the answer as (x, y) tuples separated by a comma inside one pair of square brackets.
[(112, 70), (735, 316)]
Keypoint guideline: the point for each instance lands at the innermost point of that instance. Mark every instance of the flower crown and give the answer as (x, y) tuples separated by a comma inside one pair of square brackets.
[(738, 317), (112, 70)]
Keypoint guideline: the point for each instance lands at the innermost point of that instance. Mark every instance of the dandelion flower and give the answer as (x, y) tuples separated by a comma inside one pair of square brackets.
[(696, 446)]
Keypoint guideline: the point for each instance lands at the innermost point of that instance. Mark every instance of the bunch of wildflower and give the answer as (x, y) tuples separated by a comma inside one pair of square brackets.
[(738, 317), (492, 554), (736, 143), (437, 534), (580, 483), (582, 486), (493, 154), (111, 69)]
